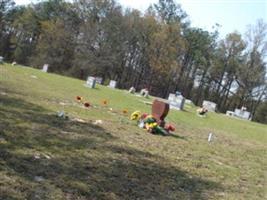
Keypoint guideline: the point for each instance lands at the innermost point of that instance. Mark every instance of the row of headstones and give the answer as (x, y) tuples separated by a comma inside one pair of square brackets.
[(239, 113), (177, 101), (92, 81)]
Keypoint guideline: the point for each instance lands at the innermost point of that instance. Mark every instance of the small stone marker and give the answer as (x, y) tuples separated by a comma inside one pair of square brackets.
[(45, 68), (144, 92), (1, 60), (91, 81), (176, 102), (99, 80), (210, 137), (132, 90), (14, 63), (210, 106), (112, 84), (39, 178)]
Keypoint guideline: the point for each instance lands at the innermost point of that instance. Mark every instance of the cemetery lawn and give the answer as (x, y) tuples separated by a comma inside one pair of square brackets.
[(45, 157)]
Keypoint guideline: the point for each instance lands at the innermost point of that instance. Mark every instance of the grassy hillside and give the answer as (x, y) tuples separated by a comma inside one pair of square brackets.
[(46, 157)]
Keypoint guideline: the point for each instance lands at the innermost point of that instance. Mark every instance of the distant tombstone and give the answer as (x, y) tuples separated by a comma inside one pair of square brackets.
[(242, 114), (99, 80), (91, 81), (144, 92), (210, 106), (132, 90), (45, 68), (176, 102), (14, 63), (1, 60), (112, 84)]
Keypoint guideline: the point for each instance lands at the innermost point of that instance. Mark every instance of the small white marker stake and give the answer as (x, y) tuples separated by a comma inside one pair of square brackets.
[(210, 136)]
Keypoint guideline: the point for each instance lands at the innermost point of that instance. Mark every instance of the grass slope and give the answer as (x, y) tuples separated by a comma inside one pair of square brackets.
[(44, 157)]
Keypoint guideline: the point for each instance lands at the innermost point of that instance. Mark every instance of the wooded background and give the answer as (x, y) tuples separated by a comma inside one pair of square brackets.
[(158, 49)]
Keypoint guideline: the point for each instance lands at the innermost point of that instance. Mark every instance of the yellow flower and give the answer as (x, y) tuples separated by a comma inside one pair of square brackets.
[(136, 115), (105, 102)]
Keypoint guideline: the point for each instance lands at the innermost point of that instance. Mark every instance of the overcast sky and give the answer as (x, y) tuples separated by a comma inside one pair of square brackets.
[(230, 14)]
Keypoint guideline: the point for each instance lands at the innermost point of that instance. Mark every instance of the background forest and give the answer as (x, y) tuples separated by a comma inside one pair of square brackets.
[(158, 49)]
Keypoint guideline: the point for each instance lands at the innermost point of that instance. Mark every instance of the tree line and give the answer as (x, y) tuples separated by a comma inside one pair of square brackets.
[(157, 49)]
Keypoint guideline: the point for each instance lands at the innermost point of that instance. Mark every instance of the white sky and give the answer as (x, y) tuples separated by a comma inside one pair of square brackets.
[(230, 14)]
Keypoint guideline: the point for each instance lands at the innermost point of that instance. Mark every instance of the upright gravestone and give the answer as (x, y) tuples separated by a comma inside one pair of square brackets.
[(45, 68), (160, 110), (144, 92), (99, 80), (112, 84), (209, 105), (176, 102), (243, 114), (1, 60), (91, 81), (132, 90)]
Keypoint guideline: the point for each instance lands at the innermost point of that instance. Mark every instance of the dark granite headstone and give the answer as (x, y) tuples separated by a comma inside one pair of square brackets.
[(160, 111)]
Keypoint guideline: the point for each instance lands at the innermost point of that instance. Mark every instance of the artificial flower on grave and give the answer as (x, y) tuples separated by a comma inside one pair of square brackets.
[(149, 123), (79, 98), (87, 104), (144, 115), (169, 128), (150, 126), (104, 102), (124, 111), (136, 115)]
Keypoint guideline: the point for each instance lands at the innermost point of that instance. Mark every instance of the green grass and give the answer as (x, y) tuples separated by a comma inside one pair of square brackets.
[(45, 157)]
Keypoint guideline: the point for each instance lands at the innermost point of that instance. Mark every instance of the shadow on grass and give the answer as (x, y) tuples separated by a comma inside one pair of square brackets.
[(82, 164), (176, 136)]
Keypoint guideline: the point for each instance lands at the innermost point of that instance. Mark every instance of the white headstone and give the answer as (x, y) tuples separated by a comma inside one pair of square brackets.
[(176, 102), (132, 90), (242, 114), (112, 84), (144, 92), (91, 81), (210, 106), (45, 68), (1, 59), (210, 137)]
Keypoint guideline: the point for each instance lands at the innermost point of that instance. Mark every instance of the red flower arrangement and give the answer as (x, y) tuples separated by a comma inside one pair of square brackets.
[(170, 127), (86, 104), (143, 116)]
